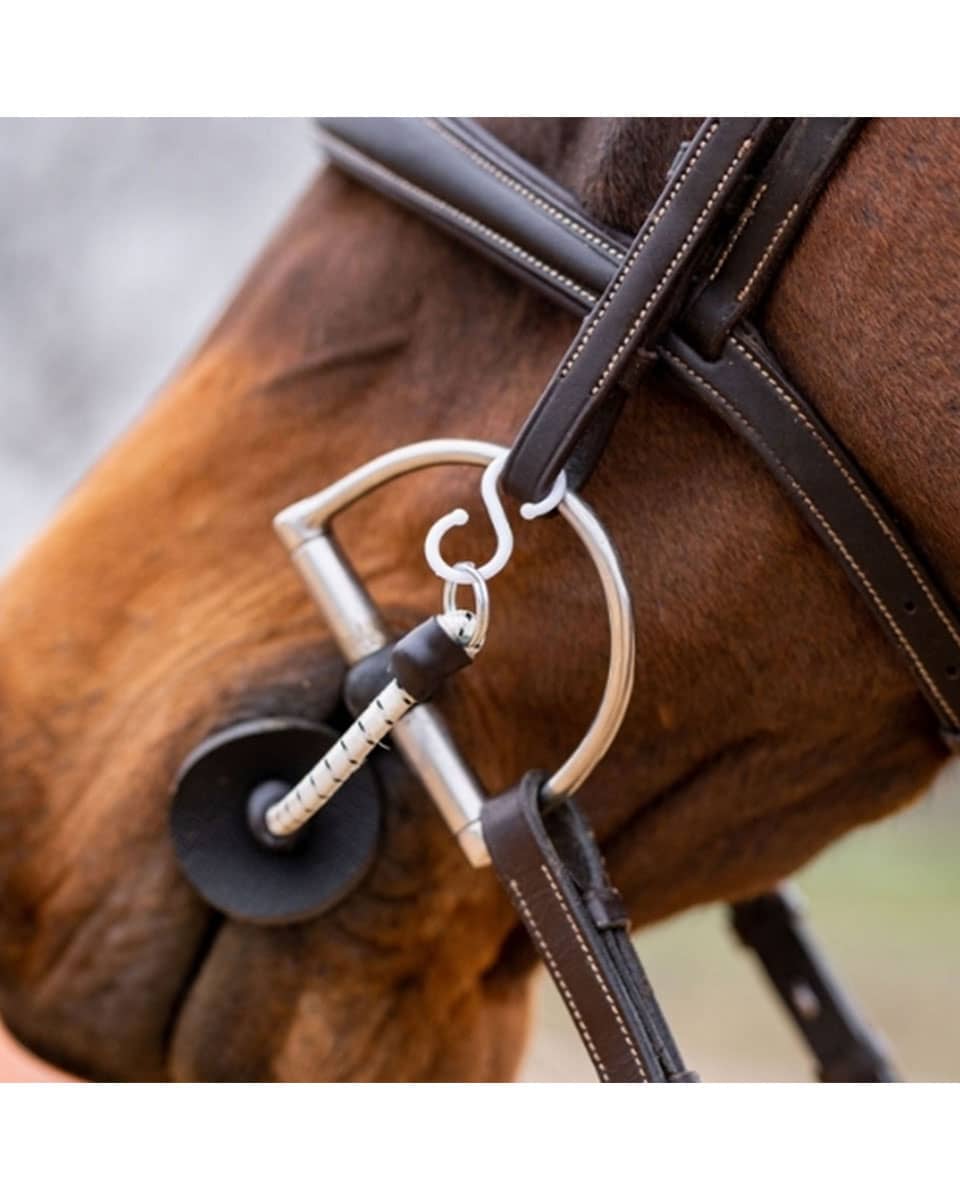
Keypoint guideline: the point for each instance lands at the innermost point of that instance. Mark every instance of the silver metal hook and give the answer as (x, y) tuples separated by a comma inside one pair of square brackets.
[(481, 604), (489, 491)]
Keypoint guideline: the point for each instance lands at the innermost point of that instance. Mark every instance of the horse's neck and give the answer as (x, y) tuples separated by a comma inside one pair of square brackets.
[(866, 318)]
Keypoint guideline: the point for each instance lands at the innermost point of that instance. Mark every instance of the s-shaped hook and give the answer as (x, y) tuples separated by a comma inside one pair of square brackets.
[(489, 485)]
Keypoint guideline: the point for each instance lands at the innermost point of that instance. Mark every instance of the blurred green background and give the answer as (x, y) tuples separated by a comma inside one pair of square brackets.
[(885, 906)]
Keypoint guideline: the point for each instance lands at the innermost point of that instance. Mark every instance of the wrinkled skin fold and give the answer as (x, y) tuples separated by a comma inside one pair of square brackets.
[(769, 718)]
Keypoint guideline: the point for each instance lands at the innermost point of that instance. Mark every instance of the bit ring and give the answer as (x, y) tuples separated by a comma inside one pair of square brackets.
[(481, 602)]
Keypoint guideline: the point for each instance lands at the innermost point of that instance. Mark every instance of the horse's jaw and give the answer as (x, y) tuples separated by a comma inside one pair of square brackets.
[(113, 968), (414, 977)]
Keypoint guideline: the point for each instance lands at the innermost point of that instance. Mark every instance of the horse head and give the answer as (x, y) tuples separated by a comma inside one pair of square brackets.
[(769, 716)]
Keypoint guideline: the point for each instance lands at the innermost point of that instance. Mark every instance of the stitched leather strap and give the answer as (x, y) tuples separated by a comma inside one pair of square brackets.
[(846, 1049), (920, 621), (749, 391), (553, 873), (526, 224), (787, 189), (520, 219), (639, 300)]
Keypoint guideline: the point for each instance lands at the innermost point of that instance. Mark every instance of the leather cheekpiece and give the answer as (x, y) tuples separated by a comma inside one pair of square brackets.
[(847, 1051), (639, 301), (553, 873)]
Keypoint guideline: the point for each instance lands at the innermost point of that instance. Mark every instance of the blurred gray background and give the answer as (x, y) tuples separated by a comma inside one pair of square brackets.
[(119, 243)]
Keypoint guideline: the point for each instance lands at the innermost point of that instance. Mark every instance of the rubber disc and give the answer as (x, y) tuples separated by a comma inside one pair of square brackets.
[(219, 853)]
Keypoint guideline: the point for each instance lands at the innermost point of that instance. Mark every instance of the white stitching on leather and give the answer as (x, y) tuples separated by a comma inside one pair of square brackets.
[(762, 261), (433, 202), (616, 252), (731, 407), (625, 269), (865, 499), (745, 218), (627, 1037), (664, 279), (560, 981)]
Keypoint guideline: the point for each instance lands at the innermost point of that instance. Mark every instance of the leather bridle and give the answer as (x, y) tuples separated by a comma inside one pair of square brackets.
[(680, 294)]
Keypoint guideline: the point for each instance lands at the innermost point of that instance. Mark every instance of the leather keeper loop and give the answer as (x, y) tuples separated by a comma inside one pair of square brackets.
[(425, 657)]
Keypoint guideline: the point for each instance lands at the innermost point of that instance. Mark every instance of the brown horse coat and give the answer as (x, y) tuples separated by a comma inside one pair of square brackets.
[(769, 717)]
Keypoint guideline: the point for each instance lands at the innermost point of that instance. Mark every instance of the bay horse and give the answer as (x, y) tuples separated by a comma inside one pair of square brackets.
[(770, 715)]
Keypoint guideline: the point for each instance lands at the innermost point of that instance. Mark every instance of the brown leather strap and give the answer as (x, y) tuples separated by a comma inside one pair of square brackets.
[(782, 197), (639, 301), (846, 1049), (834, 496), (523, 221), (552, 871), (550, 866), (748, 390)]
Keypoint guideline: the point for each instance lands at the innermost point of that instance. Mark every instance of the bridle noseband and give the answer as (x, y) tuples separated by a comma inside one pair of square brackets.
[(679, 294)]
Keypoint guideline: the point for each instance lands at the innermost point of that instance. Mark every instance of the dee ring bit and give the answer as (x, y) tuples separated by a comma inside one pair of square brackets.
[(421, 660), (388, 697)]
